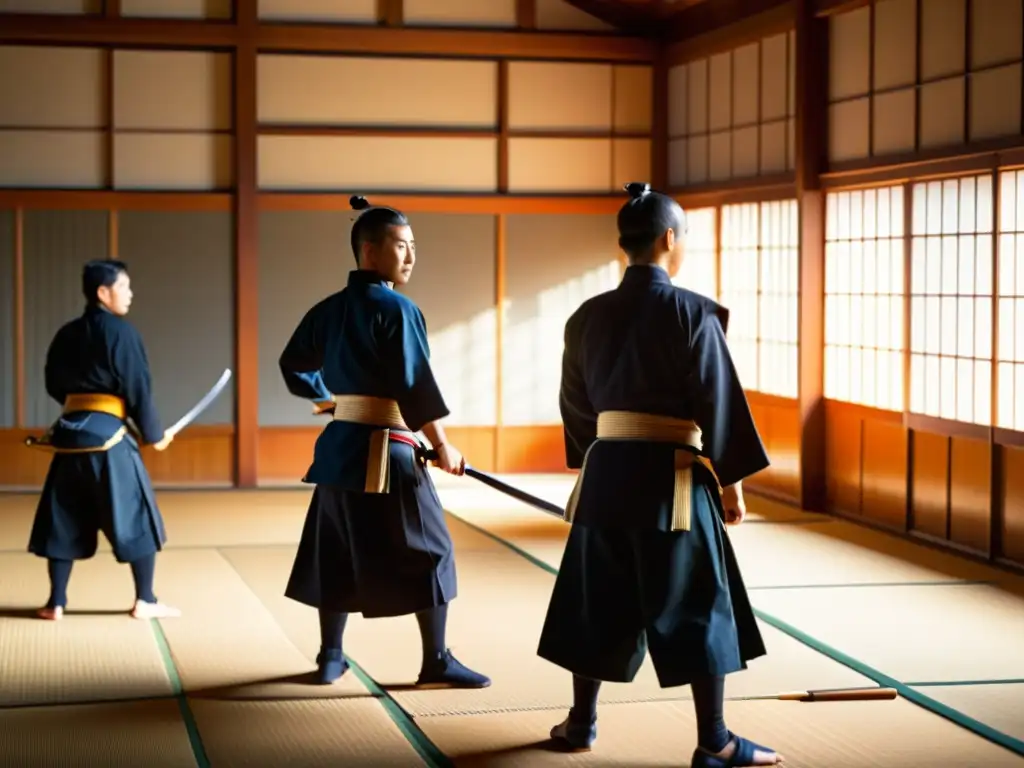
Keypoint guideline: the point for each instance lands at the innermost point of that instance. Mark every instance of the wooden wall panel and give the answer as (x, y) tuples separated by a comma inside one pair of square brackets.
[(346, 91), (459, 13), (378, 163), (531, 449), (744, 129), (930, 489), (843, 452), (1012, 504), (970, 493), (884, 473), (778, 422), (313, 11), (201, 456)]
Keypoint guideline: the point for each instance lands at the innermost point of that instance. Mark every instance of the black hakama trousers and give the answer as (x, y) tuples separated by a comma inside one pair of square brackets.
[(378, 554), (85, 493), (621, 592)]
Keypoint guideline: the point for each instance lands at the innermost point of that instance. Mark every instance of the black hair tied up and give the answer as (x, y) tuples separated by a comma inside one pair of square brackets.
[(358, 203), (637, 190)]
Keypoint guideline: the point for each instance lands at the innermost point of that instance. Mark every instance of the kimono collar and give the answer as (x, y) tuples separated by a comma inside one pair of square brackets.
[(366, 277), (645, 274)]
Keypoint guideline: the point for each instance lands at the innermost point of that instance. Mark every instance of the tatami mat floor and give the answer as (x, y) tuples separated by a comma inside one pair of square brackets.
[(840, 606)]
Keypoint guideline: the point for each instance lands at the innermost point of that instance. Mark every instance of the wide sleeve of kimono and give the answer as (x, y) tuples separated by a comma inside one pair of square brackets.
[(55, 355), (579, 421), (412, 379), (730, 437), (132, 369), (303, 357)]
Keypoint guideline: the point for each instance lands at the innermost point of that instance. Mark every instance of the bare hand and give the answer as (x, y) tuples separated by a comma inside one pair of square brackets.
[(450, 460), (164, 442), (734, 505)]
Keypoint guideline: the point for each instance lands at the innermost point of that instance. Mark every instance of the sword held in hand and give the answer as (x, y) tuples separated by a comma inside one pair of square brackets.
[(508, 490)]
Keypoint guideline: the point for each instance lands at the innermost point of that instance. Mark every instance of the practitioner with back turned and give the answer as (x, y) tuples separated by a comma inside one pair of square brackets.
[(375, 540), (653, 411)]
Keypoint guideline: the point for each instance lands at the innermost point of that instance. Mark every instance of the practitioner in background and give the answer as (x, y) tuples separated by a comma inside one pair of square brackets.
[(96, 369), (375, 540), (653, 410)]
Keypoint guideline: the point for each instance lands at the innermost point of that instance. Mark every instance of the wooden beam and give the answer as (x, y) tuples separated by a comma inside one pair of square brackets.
[(18, 310), (323, 38), (775, 20), (452, 43), (526, 14), (104, 200), (825, 8), (246, 251), (390, 12), (811, 147), (714, 15), (492, 204), (101, 31)]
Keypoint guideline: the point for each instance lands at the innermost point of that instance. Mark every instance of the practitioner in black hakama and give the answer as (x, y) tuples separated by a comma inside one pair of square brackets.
[(96, 368), (375, 540), (656, 419)]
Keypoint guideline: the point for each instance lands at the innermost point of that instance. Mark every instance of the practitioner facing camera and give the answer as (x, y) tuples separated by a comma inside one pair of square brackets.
[(97, 370), (375, 540)]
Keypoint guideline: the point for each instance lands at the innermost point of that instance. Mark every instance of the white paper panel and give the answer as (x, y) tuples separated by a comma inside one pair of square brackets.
[(995, 103), (344, 11), (849, 59), (173, 161), (347, 90), (459, 13), (895, 52), (549, 95), (52, 159), (375, 163), (181, 90), (942, 113), (942, 38), (848, 130), (53, 87)]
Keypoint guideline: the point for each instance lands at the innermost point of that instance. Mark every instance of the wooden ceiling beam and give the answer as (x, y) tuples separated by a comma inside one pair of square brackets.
[(21, 29), (713, 15)]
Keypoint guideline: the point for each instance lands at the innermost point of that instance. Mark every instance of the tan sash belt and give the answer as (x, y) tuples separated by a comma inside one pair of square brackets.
[(98, 403), (648, 427), (375, 412)]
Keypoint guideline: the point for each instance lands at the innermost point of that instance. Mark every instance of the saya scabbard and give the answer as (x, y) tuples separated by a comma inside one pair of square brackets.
[(834, 694), (505, 488)]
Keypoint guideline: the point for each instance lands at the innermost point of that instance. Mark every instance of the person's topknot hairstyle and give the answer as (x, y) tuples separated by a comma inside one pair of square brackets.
[(645, 217), (373, 223)]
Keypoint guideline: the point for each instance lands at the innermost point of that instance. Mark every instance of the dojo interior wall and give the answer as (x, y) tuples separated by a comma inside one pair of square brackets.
[(923, 323), (135, 124)]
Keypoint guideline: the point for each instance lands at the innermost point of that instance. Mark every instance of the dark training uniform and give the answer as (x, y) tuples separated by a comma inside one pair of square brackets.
[(96, 368), (630, 579), (375, 540)]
